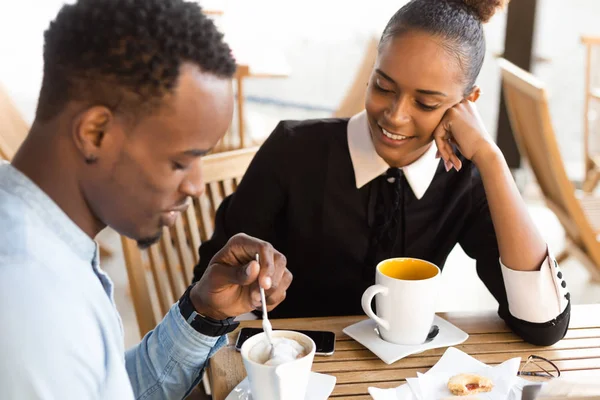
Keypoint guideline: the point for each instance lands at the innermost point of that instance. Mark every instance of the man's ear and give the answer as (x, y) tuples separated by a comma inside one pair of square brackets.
[(89, 130), (474, 95)]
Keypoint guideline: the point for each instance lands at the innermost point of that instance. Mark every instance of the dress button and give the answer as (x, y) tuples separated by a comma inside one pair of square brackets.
[(568, 296), (559, 275), (563, 284)]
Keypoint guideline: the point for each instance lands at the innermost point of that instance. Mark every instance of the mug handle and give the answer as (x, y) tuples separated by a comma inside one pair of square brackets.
[(367, 298)]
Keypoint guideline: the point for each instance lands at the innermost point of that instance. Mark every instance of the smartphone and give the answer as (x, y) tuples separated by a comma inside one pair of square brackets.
[(324, 340)]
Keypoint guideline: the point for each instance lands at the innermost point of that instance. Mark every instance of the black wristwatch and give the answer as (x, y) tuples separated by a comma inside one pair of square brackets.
[(203, 324)]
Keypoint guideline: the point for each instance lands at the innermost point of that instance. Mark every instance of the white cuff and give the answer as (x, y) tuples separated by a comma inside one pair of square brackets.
[(536, 296)]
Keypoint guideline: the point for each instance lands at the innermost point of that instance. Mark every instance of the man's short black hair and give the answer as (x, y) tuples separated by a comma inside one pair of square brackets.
[(126, 54)]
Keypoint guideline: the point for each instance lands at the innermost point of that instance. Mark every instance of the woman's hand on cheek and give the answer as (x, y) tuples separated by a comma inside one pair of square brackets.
[(462, 125)]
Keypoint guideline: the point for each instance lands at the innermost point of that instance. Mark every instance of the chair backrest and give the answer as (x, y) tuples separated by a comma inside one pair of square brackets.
[(354, 101), (529, 114), (13, 128), (592, 94), (159, 275)]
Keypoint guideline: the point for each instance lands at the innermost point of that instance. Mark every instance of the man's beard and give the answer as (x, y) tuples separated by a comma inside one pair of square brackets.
[(144, 243)]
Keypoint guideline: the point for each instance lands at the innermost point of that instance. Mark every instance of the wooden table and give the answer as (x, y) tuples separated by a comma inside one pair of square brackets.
[(490, 341)]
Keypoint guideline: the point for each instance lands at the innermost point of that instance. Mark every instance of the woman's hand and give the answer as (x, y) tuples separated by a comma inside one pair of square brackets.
[(462, 125)]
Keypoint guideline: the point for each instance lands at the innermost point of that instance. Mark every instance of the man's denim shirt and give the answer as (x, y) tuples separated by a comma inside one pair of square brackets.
[(60, 334)]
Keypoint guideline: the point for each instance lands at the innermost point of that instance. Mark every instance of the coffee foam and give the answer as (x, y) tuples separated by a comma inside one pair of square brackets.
[(284, 350)]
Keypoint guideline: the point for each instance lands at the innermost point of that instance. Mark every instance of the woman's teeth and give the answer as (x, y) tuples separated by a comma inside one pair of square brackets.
[(394, 137)]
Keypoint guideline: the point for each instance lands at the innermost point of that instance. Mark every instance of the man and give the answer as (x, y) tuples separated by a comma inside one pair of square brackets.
[(134, 93)]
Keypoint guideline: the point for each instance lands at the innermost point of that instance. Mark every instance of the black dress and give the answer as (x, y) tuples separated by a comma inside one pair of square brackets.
[(300, 194)]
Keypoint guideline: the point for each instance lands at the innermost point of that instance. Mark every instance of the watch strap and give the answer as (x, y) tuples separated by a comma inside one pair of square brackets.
[(201, 323)]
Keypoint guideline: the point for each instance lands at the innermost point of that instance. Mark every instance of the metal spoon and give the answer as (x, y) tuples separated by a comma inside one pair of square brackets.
[(266, 324), (433, 332)]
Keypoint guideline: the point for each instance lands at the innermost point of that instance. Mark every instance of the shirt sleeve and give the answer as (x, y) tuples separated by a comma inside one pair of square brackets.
[(536, 296), (530, 303), (168, 362)]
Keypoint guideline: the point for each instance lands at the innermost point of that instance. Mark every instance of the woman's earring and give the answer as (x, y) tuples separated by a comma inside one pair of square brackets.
[(91, 159)]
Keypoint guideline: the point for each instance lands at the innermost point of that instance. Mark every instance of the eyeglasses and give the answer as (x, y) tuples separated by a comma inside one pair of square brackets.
[(547, 367)]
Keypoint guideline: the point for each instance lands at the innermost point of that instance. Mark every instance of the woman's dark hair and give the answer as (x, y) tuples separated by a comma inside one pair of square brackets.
[(458, 22)]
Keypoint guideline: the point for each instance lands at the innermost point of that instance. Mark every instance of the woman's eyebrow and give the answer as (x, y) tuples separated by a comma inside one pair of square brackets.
[(422, 91)]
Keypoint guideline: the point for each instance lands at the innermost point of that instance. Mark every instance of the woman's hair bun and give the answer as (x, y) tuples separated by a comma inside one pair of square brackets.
[(485, 9)]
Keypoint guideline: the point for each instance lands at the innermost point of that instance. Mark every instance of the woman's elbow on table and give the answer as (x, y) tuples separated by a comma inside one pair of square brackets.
[(541, 334)]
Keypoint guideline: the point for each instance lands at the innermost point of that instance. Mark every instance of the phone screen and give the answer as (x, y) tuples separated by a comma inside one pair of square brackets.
[(324, 340)]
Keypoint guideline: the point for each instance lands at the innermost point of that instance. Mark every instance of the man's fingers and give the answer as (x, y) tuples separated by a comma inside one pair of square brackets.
[(266, 257), (248, 273), (224, 275), (244, 248), (254, 296), (267, 266), (280, 268), (276, 295), (275, 301)]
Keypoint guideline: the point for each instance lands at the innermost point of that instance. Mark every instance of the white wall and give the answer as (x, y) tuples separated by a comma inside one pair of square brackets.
[(22, 25), (323, 41)]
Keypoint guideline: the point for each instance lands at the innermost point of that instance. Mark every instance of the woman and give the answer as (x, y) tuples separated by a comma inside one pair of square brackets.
[(337, 196)]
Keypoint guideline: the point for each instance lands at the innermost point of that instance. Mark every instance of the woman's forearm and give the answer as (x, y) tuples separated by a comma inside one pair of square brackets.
[(520, 244)]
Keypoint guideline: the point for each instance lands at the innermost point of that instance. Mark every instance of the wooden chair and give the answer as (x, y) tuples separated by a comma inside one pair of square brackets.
[(253, 62), (263, 64), (592, 103), (159, 275), (354, 101), (529, 114), (13, 129)]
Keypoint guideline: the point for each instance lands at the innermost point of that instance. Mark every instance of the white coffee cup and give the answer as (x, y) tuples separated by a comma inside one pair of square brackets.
[(407, 289), (287, 381)]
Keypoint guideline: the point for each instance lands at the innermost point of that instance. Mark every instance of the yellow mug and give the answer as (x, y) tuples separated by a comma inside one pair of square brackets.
[(406, 290)]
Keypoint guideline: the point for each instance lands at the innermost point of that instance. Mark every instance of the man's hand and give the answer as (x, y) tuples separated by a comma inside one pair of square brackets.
[(229, 287)]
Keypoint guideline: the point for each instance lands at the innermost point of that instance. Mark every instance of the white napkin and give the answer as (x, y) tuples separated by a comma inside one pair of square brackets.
[(433, 385)]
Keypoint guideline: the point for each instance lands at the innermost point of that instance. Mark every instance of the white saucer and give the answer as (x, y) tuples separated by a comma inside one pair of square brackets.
[(320, 387), (364, 333)]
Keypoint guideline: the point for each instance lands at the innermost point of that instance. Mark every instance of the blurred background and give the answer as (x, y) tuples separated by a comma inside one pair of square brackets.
[(304, 59), (319, 45)]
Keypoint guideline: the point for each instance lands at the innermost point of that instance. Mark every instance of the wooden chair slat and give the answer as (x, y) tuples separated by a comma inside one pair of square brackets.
[(138, 285), (194, 235), (206, 217), (158, 276), (228, 187), (184, 249)]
